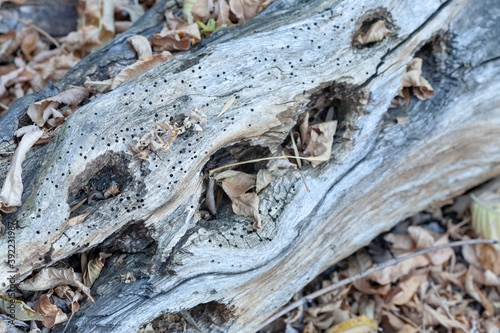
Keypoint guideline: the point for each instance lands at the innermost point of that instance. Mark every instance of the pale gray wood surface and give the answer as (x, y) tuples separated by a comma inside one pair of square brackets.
[(380, 173)]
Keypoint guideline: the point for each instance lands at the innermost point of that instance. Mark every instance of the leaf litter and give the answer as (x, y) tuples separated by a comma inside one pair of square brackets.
[(443, 290)]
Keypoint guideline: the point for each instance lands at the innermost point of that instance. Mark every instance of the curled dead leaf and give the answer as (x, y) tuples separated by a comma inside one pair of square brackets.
[(141, 46), (92, 271), (53, 315), (320, 140), (375, 33), (40, 111), (264, 178), (176, 40), (140, 67), (19, 309), (51, 277), (361, 324)]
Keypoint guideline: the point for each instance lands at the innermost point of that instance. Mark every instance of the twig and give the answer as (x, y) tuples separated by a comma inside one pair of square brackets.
[(75, 207), (370, 271), (4, 106), (37, 28), (447, 309), (265, 159)]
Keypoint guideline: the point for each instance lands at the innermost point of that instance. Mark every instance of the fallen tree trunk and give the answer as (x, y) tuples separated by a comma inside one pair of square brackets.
[(296, 57)]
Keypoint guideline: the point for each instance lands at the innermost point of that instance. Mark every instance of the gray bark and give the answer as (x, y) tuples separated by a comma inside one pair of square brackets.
[(226, 276)]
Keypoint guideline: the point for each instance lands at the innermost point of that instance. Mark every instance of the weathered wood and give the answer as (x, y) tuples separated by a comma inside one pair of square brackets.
[(228, 277)]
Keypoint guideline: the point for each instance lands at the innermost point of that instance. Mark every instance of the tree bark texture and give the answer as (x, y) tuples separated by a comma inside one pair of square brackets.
[(295, 57)]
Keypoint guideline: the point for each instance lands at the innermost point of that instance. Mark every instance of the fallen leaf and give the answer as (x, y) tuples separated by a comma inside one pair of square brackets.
[(408, 288), (19, 309), (12, 189), (358, 263), (72, 298), (141, 46), (140, 67), (235, 183), (477, 294), (92, 271), (375, 33), (51, 277), (201, 10), (53, 315), (244, 10), (264, 178), (361, 324), (29, 43), (97, 86), (176, 40), (248, 205), (40, 111), (320, 142), (393, 273), (424, 239), (128, 278)]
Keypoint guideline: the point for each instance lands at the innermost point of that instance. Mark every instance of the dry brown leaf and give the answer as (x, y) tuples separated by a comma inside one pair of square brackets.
[(53, 315), (320, 141), (72, 298), (408, 288), (309, 328), (128, 278), (413, 78), (19, 309), (399, 241), (97, 86), (375, 33), (140, 67), (442, 319), (141, 46), (248, 205), (176, 40), (358, 263), (202, 9), (77, 219), (393, 273), (92, 271), (12, 189), (244, 10), (424, 239), (134, 9), (51, 277), (264, 178), (221, 13), (29, 43), (235, 183), (477, 294), (40, 111)]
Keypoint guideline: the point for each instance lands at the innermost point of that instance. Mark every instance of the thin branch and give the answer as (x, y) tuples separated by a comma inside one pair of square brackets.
[(370, 271), (447, 309), (265, 159)]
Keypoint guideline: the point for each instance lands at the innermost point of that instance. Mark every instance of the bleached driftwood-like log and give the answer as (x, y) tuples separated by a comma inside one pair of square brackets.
[(294, 57)]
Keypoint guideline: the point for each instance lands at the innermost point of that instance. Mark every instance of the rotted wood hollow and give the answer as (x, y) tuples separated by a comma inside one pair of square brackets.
[(294, 57)]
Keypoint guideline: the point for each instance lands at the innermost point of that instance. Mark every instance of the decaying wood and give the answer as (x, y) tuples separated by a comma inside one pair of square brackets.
[(296, 57)]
